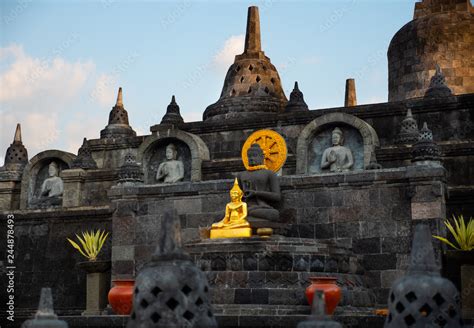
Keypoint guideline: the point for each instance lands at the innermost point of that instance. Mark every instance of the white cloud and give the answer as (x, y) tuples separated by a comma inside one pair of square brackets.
[(234, 45), (105, 90), (44, 95)]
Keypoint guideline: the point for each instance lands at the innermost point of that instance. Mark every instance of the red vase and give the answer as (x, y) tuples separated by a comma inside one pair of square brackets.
[(121, 296), (332, 292)]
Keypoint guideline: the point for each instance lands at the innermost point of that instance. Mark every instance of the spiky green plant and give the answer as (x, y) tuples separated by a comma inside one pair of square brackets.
[(462, 233), (91, 242)]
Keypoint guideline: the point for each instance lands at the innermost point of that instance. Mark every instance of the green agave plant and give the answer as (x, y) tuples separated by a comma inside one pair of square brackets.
[(462, 233), (91, 242)]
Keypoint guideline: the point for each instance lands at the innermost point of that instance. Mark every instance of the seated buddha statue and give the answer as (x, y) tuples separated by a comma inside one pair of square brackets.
[(337, 158), (261, 189), (234, 219), (52, 189)]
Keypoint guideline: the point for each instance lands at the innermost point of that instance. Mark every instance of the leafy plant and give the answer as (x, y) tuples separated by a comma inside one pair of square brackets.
[(462, 233), (91, 242)]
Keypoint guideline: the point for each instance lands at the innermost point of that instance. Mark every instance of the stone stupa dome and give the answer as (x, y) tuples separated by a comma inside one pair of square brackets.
[(441, 33), (252, 85)]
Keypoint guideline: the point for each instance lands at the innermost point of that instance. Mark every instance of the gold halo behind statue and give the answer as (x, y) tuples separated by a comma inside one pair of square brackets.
[(273, 146)]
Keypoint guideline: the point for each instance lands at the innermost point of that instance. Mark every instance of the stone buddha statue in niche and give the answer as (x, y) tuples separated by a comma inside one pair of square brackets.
[(52, 188), (172, 170), (337, 158), (235, 211), (261, 189)]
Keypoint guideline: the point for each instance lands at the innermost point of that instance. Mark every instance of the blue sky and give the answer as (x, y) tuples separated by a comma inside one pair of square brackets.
[(61, 62)]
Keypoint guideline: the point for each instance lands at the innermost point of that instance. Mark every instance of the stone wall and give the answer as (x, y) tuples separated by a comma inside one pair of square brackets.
[(370, 212), (44, 258)]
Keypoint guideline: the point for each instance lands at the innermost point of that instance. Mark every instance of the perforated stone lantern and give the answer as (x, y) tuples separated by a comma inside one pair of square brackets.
[(170, 291), (423, 298)]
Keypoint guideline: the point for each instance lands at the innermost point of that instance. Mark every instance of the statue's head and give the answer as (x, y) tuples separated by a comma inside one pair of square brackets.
[(337, 137), (255, 155), (53, 169), (236, 193), (171, 152)]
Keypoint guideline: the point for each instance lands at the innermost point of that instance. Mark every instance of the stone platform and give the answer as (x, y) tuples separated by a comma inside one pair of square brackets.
[(257, 276)]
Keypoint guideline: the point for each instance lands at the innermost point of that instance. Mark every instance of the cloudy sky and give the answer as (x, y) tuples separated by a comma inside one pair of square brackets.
[(61, 62)]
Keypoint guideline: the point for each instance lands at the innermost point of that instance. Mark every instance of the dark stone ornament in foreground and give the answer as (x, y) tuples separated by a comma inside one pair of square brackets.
[(408, 130), (438, 87), (130, 172), (296, 102), (170, 291), (172, 116), (423, 298), (84, 158), (319, 318), (425, 149), (45, 317)]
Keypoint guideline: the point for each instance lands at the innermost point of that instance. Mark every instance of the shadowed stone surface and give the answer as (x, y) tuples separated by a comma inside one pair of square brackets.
[(440, 33)]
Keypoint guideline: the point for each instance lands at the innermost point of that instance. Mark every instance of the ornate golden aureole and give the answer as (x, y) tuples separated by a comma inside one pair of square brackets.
[(234, 224), (273, 146)]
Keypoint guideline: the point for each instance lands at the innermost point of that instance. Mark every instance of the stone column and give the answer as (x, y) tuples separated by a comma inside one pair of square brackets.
[(10, 190), (73, 187), (467, 291), (351, 98)]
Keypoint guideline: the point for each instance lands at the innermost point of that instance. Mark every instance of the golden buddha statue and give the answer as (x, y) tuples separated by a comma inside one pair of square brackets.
[(234, 224)]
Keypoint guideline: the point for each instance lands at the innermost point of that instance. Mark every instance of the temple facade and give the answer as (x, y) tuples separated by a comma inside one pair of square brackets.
[(354, 183)]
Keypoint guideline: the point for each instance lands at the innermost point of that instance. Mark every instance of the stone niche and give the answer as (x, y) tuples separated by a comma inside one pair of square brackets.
[(36, 172), (359, 137), (191, 151)]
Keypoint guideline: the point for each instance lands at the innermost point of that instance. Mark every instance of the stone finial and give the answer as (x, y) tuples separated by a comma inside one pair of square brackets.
[(130, 172), (172, 116), (350, 99), (84, 158), (422, 298), (119, 102), (252, 36), (45, 316), (408, 130), (296, 102), (17, 137), (118, 126), (319, 318), (16, 156), (170, 291), (430, 7), (425, 150), (438, 87)]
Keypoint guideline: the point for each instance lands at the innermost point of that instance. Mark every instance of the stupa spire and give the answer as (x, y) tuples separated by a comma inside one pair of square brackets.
[(17, 137), (253, 41), (119, 98)]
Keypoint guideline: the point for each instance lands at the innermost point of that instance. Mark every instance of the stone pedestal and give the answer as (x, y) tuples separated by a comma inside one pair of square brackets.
[(231, 233), (96, 297), (467, 291)]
